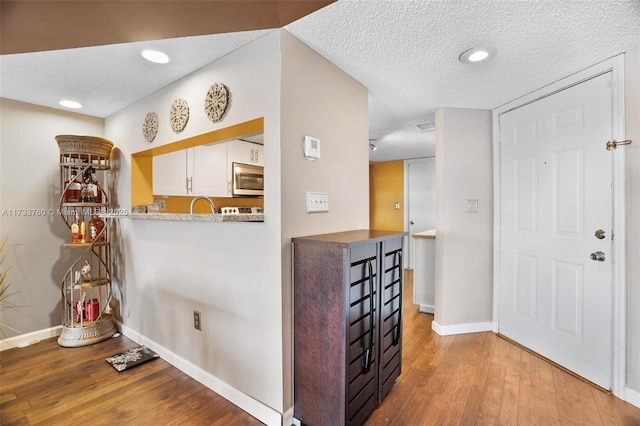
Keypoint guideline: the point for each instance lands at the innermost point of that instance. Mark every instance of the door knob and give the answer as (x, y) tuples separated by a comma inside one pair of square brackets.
[(598, 256), (411, 222), (600, 234)]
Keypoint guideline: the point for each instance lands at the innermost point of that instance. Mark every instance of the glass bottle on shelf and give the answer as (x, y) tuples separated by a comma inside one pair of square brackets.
[(88, 194), (74, 188), (83, 232), (95, 186), (76, 235), (96, 225)]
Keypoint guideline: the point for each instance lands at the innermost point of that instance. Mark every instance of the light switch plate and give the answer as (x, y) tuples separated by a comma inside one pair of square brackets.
[(317, 202), (472, 206)]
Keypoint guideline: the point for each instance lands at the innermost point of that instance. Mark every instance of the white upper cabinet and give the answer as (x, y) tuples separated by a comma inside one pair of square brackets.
[(245, 152), (194, 171), (204, 169), (210, 170), (170, 173)]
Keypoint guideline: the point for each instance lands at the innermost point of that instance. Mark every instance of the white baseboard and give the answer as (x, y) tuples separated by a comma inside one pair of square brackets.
[(296, 422), (288, 419), (29, 338), (427, 309), (445, 330), (632, 397), (252, 406)]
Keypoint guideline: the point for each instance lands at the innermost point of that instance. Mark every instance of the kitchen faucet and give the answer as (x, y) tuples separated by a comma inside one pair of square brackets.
[(202, 197)]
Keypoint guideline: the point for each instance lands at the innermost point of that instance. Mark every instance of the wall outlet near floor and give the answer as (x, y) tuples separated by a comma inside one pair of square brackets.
[(472, 206), (196, 320), (162, 204)]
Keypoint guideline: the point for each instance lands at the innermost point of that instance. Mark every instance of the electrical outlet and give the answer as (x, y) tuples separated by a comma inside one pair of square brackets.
[(162, 204), (196, 320)]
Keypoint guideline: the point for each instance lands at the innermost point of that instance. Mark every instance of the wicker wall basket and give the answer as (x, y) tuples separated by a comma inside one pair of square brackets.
[(90, 145), (84, 149)]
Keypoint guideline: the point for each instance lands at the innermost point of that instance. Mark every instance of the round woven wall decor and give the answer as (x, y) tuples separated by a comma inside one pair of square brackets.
[(216, 101), (179, 115), (150, 126)]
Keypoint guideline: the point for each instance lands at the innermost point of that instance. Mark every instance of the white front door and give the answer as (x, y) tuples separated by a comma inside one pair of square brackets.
[(556, 211)]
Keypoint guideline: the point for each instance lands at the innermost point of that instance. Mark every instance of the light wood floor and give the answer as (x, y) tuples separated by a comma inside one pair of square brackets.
[(481, 379), (446, 380), (45, 384)]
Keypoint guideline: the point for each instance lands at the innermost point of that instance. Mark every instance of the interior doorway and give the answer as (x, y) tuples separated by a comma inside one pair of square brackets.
[(420, 196)]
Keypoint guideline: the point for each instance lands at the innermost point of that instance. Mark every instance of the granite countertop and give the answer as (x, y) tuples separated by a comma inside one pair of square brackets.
[(198, 217), (430, 234)]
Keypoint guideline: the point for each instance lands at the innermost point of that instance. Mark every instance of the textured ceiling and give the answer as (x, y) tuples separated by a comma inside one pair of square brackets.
[(106, 79), (404, 52)]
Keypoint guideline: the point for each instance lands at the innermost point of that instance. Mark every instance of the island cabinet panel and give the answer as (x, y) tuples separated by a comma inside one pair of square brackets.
[(347, 324)]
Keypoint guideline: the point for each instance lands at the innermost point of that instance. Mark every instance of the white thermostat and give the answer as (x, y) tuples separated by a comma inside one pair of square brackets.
[(311, 148)]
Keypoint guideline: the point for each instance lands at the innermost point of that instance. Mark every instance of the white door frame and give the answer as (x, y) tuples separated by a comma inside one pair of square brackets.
[(614, 65)]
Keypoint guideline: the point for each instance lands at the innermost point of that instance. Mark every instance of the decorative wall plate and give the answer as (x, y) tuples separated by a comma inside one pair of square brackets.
[(216, 101), (150, 126), (179, 115)]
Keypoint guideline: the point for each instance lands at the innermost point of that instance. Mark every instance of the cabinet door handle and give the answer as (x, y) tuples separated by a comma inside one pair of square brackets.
[(368, 352)]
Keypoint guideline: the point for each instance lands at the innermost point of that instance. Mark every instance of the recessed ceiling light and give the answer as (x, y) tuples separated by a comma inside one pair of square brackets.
[(477, 54), (70, 104), (155, 56)]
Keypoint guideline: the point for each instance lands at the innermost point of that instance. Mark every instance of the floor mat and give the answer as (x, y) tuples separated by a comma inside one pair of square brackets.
[(131, 358)]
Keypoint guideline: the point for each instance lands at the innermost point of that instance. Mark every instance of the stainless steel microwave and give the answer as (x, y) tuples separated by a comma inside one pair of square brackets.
[(248, 180)]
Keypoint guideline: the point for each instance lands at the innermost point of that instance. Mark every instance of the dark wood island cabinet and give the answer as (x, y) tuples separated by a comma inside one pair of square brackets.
[(347, 324)]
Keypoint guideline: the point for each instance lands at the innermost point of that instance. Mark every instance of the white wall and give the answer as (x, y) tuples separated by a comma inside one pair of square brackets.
[(632, 98), (230, 272), (29, 179), (239, 274), (319, 100), (463, 281)]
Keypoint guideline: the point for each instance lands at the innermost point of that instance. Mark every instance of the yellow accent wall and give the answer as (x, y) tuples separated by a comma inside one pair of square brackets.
[(182, 204), (141, 180), (386, 188)]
